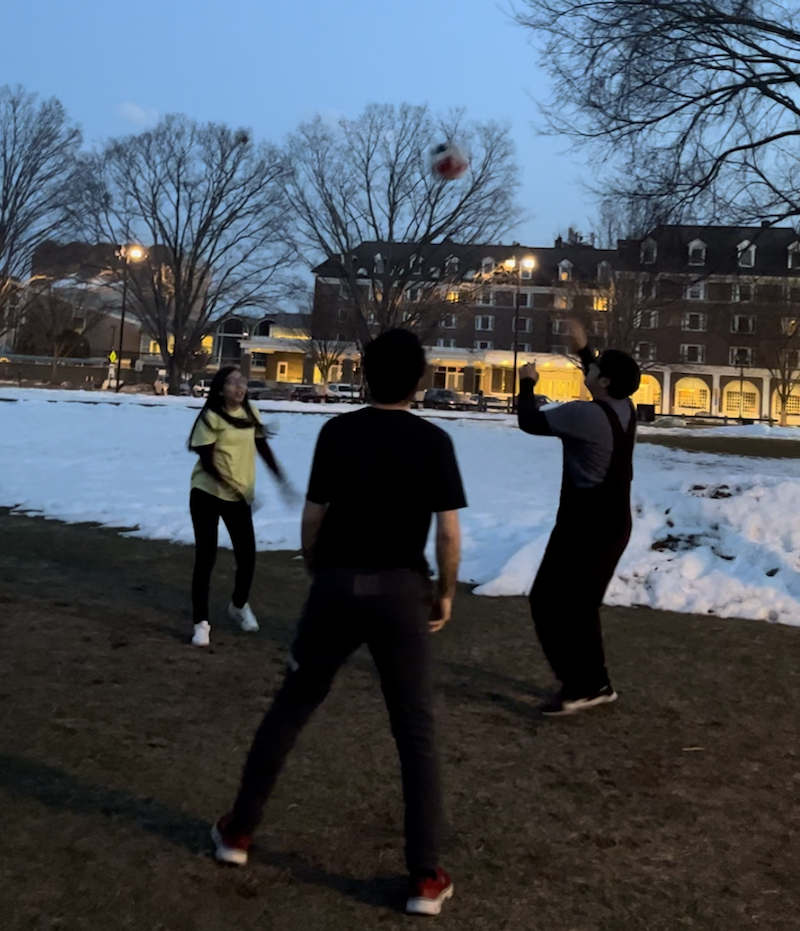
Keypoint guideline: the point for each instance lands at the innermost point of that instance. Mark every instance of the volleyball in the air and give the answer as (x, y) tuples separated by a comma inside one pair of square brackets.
[(448, 162)]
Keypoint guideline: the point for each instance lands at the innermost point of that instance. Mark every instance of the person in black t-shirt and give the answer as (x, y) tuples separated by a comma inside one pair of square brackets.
[(378, 477)]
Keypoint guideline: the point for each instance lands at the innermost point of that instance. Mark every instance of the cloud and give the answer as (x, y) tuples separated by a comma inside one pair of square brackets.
[(137, 115)]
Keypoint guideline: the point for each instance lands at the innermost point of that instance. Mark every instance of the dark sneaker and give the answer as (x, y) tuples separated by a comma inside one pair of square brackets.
[(427, 893), (563, 706), (231, 848)]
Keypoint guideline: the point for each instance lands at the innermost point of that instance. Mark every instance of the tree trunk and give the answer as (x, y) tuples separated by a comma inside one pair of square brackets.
[(175, 374)]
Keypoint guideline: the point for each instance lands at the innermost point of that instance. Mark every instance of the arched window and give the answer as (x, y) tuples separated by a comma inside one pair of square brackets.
[(230, 333), (747, 254), (565, 270), (263, 328)]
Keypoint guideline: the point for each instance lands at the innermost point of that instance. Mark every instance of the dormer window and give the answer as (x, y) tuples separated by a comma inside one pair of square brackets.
[(794, 255), (604, 273), (697, 252), (451, 265), (378, 263), (487, 266), (648, 252), (747, 254), (565, 270)]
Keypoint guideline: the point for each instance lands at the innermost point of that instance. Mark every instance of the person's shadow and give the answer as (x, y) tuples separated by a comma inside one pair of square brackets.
[(61, 791)]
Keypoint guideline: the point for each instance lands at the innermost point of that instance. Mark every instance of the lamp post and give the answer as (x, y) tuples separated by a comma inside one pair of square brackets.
[(510, 265), (127, 254)]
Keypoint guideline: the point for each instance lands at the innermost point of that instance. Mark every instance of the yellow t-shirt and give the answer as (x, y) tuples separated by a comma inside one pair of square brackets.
[(234, 455)]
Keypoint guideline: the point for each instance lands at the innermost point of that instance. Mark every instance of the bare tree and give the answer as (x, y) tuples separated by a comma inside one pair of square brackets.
[(209, 205), (693, 103), (777, 347), (58, 318), (38, 149), (326, 348), (364, 197)]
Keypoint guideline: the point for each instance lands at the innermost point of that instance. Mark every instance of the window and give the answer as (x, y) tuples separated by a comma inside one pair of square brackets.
[(696, 322), (453, 296), (487, 266), (561, 300), (693, 353), (693, 398), (559, 349), (446, 343), (740, 403), (794, 255), (793, 359), (451, 265), (484, 344), (522, 347), (416, 264), (526, 273), (378, 264), (600, 302), (696, 291), (449, 322), (342, 314), (415, 295), (503, 298), (742, 292), (646, 320), (697, 252), (484, 322), (747, 254), (604, 273), (283, 371), (793, 404), (648, 252), (561, 327), (743, 323), (740, 355), (486, 297), (565, 270), (644, 352), (524, 325), (524, 300), (647, 288)]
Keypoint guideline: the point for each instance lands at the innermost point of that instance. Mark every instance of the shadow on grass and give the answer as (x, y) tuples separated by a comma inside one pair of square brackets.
[(63, 792)]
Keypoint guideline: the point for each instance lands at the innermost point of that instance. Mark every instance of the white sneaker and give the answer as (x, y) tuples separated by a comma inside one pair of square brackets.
[(201, 632), (244, 617)]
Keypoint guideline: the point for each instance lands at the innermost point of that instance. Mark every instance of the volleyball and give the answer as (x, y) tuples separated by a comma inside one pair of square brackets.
[(448, 162)]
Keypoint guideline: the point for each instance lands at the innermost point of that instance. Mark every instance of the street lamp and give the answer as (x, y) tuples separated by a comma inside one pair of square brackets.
[(128, 254), (527, 263)]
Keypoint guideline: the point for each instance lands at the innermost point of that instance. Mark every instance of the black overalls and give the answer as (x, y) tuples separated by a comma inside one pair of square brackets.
[(592, 529)]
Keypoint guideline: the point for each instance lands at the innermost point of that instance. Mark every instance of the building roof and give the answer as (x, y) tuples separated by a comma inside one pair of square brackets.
[(721, 242), (584, 258)]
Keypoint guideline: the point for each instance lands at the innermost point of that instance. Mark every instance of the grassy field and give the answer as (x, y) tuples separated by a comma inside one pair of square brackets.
[(119, 744)]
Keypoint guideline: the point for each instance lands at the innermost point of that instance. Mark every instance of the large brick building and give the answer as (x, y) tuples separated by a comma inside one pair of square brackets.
[(708, 311)]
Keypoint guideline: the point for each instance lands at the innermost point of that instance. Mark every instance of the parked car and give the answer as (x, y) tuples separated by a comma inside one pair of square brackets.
[(161, 386), (444, 399), (306, 393), (343, 391), (257, 389), (488, 402)]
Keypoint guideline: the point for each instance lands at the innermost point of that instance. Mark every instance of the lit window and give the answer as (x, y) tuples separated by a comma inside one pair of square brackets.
[(599, 302), (453, 297), (565, 270)]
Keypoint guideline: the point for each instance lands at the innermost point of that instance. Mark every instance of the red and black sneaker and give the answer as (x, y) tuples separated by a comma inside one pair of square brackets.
[(428, 892), (231, 848)]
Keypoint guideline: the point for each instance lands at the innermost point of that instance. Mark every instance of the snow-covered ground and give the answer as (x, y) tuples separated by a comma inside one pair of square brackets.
[(712, 534)]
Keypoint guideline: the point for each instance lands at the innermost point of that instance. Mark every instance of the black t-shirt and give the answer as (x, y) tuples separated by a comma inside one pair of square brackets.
[(382, 473)]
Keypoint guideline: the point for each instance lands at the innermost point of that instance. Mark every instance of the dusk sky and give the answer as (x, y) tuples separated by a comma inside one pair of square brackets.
[(269, 65)]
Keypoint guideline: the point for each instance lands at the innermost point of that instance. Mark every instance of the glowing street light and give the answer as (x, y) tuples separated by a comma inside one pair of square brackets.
[(128, 254)]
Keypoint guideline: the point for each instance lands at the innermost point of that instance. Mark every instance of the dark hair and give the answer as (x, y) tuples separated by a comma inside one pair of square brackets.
[(215, 403), (394, 362), (622, 371)]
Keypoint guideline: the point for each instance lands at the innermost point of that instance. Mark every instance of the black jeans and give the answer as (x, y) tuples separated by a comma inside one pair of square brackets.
[(389, 611), (565, 604), (206, 511)]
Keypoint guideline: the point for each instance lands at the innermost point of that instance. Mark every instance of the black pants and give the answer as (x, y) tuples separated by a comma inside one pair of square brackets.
[(389, 611), (565, 603), (206, 511)]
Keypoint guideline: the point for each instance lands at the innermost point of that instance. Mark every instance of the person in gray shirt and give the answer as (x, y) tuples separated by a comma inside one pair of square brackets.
[(594, 519)]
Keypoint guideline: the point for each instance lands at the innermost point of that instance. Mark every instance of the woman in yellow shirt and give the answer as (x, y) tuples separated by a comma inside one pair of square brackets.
[(226, 437)]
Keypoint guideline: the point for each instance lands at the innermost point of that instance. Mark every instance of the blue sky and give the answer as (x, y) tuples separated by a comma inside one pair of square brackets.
[(269, 65)]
